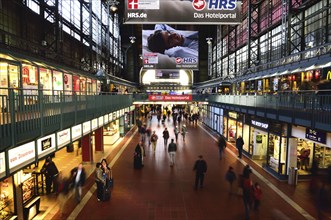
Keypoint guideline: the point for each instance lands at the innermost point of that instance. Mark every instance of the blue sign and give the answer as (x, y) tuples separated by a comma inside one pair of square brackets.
[(317, 136)]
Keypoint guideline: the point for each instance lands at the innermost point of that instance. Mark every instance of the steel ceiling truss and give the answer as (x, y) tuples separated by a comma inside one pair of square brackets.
[(253, 33)]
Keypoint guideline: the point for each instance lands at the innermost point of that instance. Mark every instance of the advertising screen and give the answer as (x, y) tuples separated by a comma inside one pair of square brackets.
[(164, 47), (226, 12)]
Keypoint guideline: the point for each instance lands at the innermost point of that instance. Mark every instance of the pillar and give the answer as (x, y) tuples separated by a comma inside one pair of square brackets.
[(98, 139), (87, 154)]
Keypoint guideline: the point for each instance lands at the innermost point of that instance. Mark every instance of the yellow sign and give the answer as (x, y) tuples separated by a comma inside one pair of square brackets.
[(328, 76)]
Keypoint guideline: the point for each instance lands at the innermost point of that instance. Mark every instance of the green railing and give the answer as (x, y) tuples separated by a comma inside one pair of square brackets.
[(27, 115), (308, 109)]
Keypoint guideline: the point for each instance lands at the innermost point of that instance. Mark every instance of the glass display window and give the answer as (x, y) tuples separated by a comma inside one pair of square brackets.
[(232, 130), (67, 81), (4, 78), (82, 85), (46, 80), (225, 127), (248, 146), (277, 153), (89, 89), (14, 77), (323, 156), (94, 87), (6, 199), (57, 82), (30, 79), (76, 84)]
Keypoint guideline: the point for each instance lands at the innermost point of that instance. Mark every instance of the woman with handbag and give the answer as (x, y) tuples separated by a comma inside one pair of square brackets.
[(106, 172)]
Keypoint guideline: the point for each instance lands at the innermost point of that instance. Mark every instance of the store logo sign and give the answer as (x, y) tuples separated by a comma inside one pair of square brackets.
[(316, 136), (260, 124)]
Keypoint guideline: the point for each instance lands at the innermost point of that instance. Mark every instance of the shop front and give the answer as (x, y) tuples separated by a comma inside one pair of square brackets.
[(313, 150), (233, 126)]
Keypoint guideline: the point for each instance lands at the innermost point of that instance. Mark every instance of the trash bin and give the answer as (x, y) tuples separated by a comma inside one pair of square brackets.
[(293, 176)]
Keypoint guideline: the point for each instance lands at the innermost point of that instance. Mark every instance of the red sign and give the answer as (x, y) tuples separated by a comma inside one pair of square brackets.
[(170, 98)]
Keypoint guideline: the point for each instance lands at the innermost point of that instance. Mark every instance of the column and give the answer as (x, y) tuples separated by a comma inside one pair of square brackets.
[(98, 139), (87, 154)]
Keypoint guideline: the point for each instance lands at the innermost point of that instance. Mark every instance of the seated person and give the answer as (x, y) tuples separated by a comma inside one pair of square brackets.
[(166, 40)]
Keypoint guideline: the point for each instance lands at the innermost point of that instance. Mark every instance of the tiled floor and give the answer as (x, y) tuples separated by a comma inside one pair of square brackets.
[(159, 191)]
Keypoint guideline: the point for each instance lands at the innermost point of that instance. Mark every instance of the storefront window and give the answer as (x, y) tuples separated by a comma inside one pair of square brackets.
[(89, 89), (67, 78), (46, 81), (6, 198), (248, 146), (225, 127), (3, 78), (82, 85), (30, 79), (304, 159), (94, 87), (323, 156), (76, 84), (14, 78), (277, 153), (57, 82)]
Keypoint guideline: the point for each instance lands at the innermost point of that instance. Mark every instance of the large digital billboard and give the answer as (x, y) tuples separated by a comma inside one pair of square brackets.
[(226, 12), (164, 47)]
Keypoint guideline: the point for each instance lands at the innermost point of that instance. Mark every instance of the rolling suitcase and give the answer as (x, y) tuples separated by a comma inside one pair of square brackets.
[(106, 194)]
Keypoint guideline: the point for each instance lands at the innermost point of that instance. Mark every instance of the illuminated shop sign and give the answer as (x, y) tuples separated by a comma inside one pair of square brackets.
[(63, 138), (100, 121), (317, 136), (106, 119), (94, 124), (86, 127), (260, 124), (19, 156), (46, 145), (182, 12), (170, 97), (76, 132), (233, 115)]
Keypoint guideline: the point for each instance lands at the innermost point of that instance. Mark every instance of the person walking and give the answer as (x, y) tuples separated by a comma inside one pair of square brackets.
[(176, 131), (172, 148), (78, 176), (165, 137), (139, 156), (99, 180), (184, 131), (247, 195), (149, 133), (63, 190), (51, 173), (154, 138), (221, 146), (200, 168), (230, 176), (239, 144), (257, 196)]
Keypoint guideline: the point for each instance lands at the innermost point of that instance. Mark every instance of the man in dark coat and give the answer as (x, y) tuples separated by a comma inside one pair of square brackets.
[(221, 146), (200, 168), (78, 177), (138, 156), (239, 144), (51, 173), (166, 137)]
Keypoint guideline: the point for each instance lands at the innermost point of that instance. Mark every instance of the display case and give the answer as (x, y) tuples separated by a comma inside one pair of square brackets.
[(30, 199), (4, 204), (28, 189)]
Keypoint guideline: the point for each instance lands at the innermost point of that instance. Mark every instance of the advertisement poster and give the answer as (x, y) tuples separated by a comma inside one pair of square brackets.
[(164, 47), (219, 12)]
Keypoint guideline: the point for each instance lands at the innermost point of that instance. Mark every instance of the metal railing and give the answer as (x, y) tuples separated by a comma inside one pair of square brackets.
[(27, 115), (306, 108)]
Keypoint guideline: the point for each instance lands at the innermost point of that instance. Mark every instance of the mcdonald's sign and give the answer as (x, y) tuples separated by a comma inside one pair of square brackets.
[(326, 74)]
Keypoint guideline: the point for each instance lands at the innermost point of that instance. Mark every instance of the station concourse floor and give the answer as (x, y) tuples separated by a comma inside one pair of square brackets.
[(160, 192)]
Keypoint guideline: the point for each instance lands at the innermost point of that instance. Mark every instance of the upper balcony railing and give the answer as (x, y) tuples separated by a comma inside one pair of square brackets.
[(28, 114)]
